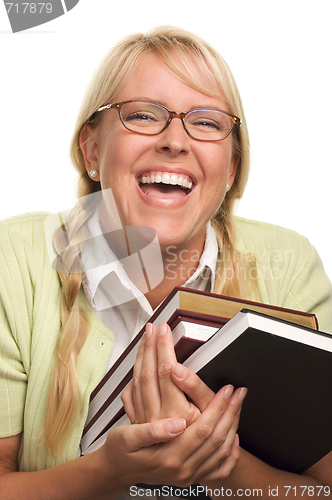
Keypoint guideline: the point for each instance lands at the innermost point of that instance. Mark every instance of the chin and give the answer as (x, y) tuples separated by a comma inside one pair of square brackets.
[(181, 240)]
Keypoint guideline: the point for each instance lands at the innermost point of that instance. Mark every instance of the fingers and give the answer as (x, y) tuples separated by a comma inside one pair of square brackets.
[(137, 452), (227, 465), (166, 357), (173, 400), (159, 431), (145, 386), (209, 440), (128, 402), (206, 450), (170, 393), (226, 452), (192, 385), (153, 392)]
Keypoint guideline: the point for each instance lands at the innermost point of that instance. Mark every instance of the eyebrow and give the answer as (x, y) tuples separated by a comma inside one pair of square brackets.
[(146, 99)]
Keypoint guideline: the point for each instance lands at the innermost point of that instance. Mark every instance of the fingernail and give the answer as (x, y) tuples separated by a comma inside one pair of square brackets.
[(179, 371), (228, 392), (149, 330), (176, 425), (163, 328), (143, 338), (237, 440), (242, 394)]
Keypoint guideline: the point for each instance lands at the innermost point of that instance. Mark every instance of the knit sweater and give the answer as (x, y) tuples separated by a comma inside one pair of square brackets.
[(289, 274)]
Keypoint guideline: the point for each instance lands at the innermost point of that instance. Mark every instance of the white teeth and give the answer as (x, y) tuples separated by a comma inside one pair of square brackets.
[(172, 179), (165, 179)]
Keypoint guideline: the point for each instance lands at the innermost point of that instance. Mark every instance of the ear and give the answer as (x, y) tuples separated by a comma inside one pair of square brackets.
[(88, 141), (233, 169)]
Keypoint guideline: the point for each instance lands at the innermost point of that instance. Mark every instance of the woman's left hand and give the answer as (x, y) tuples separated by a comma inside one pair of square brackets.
[(160, 384), (152, 394)]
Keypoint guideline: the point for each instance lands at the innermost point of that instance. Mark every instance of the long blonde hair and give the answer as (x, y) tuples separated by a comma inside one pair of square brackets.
[(201, 67)]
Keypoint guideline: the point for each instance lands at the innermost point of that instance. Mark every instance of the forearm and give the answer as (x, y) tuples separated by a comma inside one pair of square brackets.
[(80, 479), (252, 477)]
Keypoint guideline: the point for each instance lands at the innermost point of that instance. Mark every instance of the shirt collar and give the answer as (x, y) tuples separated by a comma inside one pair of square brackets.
[(208, 261), (98, 261)]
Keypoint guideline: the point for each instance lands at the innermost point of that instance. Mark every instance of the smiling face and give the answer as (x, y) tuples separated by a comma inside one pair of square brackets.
[(137, 167)]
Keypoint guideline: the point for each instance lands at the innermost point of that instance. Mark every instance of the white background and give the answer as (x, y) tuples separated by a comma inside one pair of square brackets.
[(279, 52)]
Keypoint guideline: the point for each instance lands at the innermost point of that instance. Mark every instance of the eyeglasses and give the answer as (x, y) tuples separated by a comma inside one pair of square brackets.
[(150, 118)]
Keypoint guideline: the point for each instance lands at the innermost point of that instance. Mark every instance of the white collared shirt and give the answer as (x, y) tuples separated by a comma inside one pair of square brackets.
[(115, 298)]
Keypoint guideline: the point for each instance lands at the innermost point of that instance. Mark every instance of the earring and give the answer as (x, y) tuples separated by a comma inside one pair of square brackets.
[(93, 173), (228, 187)]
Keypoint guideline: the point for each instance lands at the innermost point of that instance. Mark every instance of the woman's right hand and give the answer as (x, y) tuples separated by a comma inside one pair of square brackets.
[(154, 454)]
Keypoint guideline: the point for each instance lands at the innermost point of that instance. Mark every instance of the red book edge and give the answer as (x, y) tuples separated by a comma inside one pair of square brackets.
[(161, 307)]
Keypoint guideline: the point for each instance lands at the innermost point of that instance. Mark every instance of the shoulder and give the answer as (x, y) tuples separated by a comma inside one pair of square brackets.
[(22, 226), (260, 237), (22, 236), (31, 228), (23, 219), (26, 252), (290, 271)]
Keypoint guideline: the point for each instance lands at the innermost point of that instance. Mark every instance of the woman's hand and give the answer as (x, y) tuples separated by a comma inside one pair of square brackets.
[(153, 395), (205, 450)]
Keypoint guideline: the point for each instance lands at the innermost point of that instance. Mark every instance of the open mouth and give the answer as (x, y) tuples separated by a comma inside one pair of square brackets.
[(164, 185)]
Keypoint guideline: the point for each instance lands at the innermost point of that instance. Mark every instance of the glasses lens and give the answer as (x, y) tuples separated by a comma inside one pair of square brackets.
[(208, 124), (143, 117)]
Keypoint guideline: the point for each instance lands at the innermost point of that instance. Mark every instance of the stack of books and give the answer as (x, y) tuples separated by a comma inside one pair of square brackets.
[(277, 353)]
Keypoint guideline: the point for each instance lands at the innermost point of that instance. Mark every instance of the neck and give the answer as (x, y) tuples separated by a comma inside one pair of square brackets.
[(179, 265)]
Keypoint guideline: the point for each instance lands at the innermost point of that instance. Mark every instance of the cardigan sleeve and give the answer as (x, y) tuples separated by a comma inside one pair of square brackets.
[(15, 296), (30, 327), (290, 271), (311, 290), (13, 380)]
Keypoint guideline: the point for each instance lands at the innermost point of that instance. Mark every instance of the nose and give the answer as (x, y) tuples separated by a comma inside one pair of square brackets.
[(174, 140)]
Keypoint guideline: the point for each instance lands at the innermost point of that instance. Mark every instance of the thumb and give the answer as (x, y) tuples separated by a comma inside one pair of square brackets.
[(159, 431), (190, 383)]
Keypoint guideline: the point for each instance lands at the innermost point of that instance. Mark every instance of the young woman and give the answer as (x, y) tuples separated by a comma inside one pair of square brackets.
[(162, 128)]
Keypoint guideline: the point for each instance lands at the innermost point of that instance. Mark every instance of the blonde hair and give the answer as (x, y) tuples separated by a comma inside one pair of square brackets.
[(201, 67)]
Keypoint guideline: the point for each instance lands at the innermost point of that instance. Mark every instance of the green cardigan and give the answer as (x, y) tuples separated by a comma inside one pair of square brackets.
[(290, 274)]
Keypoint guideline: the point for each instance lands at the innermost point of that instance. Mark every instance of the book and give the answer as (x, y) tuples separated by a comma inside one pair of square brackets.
[(198, 302), (285, 419), (197, 307), (201, 307), (286, 416)]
